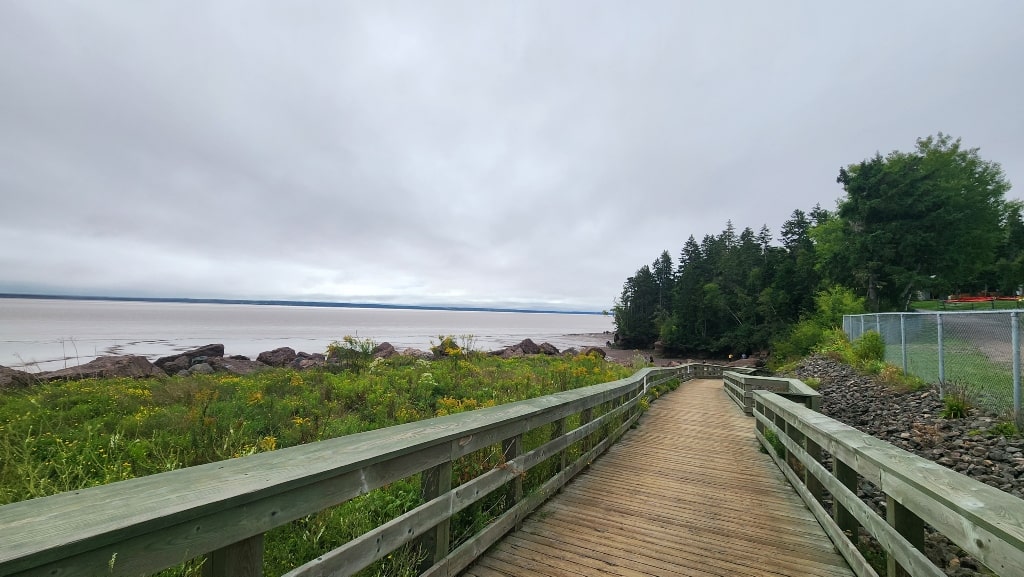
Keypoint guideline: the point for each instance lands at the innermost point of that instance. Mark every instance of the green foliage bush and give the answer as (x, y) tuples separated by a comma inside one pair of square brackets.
[(869, 347)]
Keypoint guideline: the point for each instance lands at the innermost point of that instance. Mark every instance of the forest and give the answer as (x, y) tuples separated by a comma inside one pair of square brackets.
[(910, 225)]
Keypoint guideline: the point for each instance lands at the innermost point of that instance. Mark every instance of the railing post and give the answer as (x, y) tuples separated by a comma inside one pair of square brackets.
[(942, 356), (510, 449), (435, 482), (907, 524), (586, 415), (1015, 340), (557, 430), (848, 477), (903, 340), (241, 559)]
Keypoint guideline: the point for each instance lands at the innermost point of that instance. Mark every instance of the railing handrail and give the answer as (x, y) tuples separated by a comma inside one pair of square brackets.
[(982, 520), (185, 513)]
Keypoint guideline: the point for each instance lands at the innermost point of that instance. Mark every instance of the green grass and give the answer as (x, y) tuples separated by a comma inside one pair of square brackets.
[(963, 362), (59, 437)]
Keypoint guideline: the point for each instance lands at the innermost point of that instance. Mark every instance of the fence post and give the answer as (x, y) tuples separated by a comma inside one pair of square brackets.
[(878, 323), (903, 340), (1015, 341), (861, 325), (942, 357), (435, 482)]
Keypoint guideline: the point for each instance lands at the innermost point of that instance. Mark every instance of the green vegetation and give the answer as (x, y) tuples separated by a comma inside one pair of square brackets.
[(960, 397), (934, 219), (62, 436)]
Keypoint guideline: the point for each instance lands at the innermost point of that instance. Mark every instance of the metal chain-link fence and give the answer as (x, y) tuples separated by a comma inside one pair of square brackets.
[(979, 349)]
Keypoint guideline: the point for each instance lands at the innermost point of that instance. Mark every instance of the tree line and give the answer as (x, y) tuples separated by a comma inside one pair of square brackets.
[(933, 221)]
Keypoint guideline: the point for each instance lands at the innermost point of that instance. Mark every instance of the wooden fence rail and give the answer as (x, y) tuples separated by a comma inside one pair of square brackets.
[(984, 521), (222, 510)]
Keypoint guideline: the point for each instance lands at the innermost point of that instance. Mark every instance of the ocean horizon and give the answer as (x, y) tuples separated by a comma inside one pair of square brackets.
[(301, 303), (39, 334)]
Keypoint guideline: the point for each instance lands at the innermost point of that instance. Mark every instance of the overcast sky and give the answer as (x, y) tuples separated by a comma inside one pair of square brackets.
[(480, 153)]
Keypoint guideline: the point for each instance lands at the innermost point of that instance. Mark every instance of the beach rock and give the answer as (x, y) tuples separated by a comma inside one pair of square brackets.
[(570, 352), (235, 366), (15, 379), (512, 353), (548, 349), (596, 351), (132, 366), (208, 351), (417, 353), (305, 361), (383, 351), (528, 347), (201, 369), (278, 357)]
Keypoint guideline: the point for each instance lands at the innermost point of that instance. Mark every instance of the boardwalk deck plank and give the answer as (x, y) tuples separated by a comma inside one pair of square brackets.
[(687, 493)]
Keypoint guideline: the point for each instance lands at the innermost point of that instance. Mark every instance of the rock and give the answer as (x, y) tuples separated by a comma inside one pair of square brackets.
[(512, 353), (174, 365), (132, 366), (201, 369), (570, 352), (528, 347), (548, 349), (383, 351), (208, 351), (278, 357), (596, 351), (15, 379), (417, 353), (234, 365)]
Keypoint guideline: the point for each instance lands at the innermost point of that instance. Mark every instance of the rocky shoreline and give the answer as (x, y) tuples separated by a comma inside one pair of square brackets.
[(973, 446), (210, 359)]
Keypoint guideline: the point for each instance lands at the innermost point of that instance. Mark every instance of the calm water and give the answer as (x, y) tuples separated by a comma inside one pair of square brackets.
[(49, 334)]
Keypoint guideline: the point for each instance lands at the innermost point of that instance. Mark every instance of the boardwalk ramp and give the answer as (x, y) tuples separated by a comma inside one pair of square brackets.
[(687, 493)]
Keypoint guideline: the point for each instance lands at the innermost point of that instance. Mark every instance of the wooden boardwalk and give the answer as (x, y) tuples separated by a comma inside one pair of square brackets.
[(686, 493)]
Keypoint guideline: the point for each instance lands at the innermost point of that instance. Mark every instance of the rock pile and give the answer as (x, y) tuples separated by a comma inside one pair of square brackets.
[(209, 359), (913, 421)]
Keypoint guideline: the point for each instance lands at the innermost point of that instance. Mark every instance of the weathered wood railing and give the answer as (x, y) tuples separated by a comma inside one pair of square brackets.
[(222, 510), (740, 385), (983, 521)]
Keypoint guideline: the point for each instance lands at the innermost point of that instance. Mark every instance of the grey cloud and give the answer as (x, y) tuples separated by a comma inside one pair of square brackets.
[(529, 152)]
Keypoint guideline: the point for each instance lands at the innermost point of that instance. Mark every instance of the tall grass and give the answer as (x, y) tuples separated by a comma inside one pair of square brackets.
[(59, 437)]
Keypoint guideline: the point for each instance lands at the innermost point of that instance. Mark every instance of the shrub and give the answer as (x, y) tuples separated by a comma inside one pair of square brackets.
[(835, 344), (869, 347)]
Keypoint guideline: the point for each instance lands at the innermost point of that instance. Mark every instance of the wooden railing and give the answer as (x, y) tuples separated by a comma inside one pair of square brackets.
[(222, 510), (740, 385), (985, 522)]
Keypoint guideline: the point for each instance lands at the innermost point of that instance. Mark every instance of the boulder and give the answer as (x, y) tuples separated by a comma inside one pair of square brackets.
[(383, 351), (132, 366), (305, 361), (235, 366), (596, 351), (548, 349), (512, 353), (208, 351), (15, 379), (417, 353), (301, 363), (528, 347), (279, 357), (175, 365), (570, 352), (201, 369)]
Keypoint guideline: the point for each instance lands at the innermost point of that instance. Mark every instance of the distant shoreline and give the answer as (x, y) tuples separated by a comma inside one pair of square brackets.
[(289, 303)]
